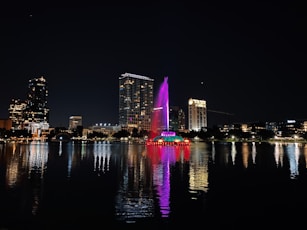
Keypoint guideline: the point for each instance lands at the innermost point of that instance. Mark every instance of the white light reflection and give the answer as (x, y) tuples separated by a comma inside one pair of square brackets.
[(38, 157), (69, 160), (60, 148), (102, 154), (278, 154), (233, 152), (293, 155), (254, 152)]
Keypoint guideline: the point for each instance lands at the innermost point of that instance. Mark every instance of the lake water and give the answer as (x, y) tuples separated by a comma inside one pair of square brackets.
[(214, 185)]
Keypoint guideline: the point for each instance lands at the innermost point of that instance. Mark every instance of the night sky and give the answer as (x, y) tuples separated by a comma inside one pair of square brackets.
[(245, 58)]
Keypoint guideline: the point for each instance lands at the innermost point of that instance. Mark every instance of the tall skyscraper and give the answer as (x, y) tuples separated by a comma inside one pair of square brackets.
[(135, 101), (197, 114), (36, 112)]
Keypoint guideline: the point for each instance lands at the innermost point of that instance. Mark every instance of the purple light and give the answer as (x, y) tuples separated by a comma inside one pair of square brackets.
[(168, 134), (160, 119)]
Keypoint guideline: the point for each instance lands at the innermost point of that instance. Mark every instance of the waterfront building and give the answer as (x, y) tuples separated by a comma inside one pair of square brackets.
[(36, 113), (5, 124), (135, 102), (104, 128), (197, 114), (16, 113), (74, 122), (176, 118)]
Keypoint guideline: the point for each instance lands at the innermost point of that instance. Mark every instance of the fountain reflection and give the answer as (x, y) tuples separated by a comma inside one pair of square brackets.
[(162, 158)]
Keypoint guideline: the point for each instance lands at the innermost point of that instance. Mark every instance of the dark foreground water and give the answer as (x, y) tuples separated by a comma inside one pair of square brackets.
[(119, 185)]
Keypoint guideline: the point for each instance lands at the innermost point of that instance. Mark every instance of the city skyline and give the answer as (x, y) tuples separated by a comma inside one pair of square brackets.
[(246, 59)]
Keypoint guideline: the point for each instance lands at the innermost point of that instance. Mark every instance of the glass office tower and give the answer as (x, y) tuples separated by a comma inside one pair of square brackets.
[(135, 102)]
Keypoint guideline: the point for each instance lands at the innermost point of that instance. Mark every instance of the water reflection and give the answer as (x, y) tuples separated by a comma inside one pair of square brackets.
[(134, 198), (102, 156), (38, 157), (133, 182), (254, 152), (233, 152), (278, 154), (198, 173), (161, 174), (245, 154), (293, 155)]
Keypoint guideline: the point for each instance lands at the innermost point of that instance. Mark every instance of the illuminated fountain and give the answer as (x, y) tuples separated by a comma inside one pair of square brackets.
[(160, 133)]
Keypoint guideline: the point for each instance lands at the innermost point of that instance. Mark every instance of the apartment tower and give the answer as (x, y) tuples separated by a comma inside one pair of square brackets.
[(135, 102), (197, 110)]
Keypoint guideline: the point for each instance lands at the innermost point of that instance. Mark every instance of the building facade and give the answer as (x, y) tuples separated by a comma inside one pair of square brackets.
[(16, 113), (135, 102), (176, 118), (74, 122), (36, 113), (197, 110)]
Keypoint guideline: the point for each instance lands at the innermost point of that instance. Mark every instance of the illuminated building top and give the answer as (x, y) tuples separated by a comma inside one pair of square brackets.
[(135, 76)]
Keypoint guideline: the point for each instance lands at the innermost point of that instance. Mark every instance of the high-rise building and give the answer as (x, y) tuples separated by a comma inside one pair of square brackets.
[(16, 113), (135, 101), (197, 114), (36, 113), (36, 109), (176, 118)]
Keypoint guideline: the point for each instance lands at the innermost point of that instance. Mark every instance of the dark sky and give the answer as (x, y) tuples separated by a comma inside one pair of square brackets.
[(250, 55)]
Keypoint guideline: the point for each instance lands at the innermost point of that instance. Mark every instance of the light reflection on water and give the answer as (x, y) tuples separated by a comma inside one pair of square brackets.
[(140, 182)]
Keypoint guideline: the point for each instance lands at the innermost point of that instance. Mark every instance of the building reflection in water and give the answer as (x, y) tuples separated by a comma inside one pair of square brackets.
[(102, 155), (245, 154), (248, 151), (146, 180), (135, 198), (13, 165), (32, 158), (293, 156), (38, 158), (27, 162), (233, 152), (198, 173), (254, 152), (278, 154)]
